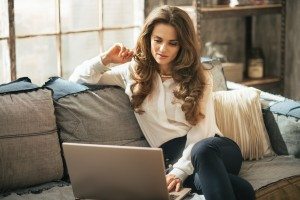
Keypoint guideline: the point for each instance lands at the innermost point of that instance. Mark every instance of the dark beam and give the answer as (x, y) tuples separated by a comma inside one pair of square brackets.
[(12, 40)]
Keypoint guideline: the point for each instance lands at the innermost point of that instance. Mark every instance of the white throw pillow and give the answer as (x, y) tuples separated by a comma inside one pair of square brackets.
[(239, 117)]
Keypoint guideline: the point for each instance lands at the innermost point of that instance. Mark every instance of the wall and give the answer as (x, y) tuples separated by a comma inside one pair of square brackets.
[(267, 35), (292, 72)]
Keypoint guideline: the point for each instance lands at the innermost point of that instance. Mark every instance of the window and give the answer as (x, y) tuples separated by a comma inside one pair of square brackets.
[(53, 36)]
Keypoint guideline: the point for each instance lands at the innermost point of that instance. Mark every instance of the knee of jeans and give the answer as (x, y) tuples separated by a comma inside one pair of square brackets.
[(201, 151), (250, 193)]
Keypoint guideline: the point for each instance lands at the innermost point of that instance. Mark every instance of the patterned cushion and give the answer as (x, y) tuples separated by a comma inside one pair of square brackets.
[(29, 147), (215, 66)]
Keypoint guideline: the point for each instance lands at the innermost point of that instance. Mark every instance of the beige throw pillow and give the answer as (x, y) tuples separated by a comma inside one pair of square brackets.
[(239, 117)]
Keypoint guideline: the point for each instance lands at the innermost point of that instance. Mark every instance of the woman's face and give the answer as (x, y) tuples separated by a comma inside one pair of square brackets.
[(164, 45)]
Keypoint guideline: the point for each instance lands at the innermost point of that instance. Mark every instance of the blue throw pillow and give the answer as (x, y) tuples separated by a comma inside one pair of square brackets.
[(19, 85), (62, 88), (287, 108)]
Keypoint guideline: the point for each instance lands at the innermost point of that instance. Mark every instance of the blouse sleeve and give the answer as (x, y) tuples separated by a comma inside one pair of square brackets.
[(93, 71), (183, 167)]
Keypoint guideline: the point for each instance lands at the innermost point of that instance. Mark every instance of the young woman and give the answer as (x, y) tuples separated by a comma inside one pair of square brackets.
[(171, 95)]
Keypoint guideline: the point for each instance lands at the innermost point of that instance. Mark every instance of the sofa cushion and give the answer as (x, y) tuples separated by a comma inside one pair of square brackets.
[(29, 147), (263, 172), (282, 121), (100, 115), (239, 117)]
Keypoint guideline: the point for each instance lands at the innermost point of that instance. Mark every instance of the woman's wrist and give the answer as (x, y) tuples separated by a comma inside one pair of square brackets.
[(178, 173), (104, 59)]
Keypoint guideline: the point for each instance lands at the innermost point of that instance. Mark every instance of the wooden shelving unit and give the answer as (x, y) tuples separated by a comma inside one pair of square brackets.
[(247, 12), (239, 11), (260, 81)]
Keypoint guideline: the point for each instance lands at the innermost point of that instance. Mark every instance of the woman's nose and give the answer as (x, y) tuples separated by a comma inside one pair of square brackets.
[(163, 48)]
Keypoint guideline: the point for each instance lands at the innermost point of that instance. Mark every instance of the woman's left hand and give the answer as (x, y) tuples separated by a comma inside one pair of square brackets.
[(173, 182), (117, 54)]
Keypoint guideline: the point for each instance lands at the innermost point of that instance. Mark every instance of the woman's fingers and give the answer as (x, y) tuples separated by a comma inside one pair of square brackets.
[(128, 55), (172, 183), (175, 183), (118, 53), (178, 186), (124, 53), (122, 49), (169, 179)]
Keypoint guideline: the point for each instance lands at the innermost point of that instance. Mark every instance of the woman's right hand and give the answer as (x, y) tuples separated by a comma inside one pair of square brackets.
[(118, 54), (173, 183)]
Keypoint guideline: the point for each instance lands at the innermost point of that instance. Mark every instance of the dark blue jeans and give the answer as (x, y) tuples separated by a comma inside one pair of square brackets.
[(217, 162)]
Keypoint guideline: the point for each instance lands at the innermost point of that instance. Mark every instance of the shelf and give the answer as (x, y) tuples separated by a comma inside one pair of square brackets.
[(238, 11), (247, 13), (260, 81)]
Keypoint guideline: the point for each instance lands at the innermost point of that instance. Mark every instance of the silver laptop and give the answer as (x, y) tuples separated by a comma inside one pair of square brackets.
[(117, 172)]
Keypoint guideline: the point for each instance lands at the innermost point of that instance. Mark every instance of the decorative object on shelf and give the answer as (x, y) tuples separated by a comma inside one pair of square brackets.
[(258, 2), (223, 2), (233, 71), (209, 3), (234, 3), (217, 50), (256, 63)]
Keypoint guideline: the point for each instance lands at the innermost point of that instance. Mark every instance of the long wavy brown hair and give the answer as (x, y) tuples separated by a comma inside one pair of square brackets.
[(187, 70)]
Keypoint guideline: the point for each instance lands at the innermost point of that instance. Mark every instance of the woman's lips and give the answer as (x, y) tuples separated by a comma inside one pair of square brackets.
[(162, 56)]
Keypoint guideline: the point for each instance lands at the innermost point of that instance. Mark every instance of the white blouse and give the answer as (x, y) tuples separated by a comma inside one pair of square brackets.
[(163, 118)]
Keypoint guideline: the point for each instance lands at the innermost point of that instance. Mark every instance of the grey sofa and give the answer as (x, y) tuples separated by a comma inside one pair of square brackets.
[(34, 121)]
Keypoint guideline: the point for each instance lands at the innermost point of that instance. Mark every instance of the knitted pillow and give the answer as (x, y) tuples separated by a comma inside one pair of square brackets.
[(29, 147), (239, 117)]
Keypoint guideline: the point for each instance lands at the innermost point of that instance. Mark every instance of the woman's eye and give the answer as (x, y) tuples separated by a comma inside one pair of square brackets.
[(174, 43), (157, 41)]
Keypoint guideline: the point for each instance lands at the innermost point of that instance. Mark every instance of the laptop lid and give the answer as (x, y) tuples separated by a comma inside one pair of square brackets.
[(115, 172)]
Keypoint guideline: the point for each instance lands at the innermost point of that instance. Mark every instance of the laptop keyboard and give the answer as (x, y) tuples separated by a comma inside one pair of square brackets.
[(173, 196)]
